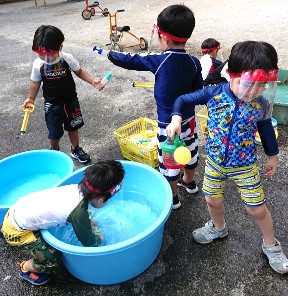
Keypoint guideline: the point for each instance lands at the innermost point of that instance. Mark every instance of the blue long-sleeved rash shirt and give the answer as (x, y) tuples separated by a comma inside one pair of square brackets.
[(232, 124), (176, 73)]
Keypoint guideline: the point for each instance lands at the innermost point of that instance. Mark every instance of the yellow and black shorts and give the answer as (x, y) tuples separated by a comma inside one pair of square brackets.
[(246, 178)]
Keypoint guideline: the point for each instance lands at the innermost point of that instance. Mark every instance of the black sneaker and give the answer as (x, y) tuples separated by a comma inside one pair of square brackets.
[(190, 187), (79, 154), (176, 203)]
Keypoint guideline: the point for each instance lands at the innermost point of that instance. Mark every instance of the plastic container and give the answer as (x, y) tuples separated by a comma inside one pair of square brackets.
[(30, 171), (116, 263), (102, 52), (168, 149), (137, 151), (104, 80)]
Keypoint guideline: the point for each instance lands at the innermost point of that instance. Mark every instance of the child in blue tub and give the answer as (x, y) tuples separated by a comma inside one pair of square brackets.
[(59, 206)]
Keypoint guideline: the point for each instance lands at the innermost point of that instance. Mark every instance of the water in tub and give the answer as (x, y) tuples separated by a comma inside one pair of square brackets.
[(126, 215), (22, 186)]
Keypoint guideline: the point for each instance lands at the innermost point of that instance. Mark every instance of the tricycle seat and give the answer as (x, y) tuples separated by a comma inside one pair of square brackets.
[(95, 4), (123, 29)]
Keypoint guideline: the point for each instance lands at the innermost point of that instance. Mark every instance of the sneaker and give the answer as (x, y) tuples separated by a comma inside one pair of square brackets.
[(209, 232), (176, 203), (277, 259), (79, 154), (190, 187), (34, 278)]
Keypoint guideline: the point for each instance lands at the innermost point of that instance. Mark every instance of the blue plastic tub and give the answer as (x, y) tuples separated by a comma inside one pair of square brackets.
[(111, 264), (30, 171)]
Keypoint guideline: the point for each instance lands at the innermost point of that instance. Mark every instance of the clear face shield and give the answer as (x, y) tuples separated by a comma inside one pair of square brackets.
[(259, 84), (47, 56), (155, 35)]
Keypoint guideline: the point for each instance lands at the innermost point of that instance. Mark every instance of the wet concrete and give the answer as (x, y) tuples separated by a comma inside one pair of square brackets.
[(234, 266)]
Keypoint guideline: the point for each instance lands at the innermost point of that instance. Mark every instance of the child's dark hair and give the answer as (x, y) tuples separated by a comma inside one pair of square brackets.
[(208, 45), (48, 37), (101, 177), (252, 55), (177, 20)]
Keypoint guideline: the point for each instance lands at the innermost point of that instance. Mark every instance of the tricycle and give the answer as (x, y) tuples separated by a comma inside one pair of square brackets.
[(91, 9), (117, 33)]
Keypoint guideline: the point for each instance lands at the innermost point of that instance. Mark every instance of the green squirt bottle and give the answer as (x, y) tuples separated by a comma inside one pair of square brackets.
[(168, 149)]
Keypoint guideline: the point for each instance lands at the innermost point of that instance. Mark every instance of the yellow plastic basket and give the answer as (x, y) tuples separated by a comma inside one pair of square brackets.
[(203, 116), (137, 151)]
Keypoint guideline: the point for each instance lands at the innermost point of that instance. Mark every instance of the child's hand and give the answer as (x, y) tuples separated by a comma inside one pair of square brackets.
[(27, 102), (96, 231), (97, 84), (174, 126), (271, 165)]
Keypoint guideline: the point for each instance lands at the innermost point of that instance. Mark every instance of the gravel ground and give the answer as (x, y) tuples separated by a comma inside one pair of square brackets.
[(232, 267)]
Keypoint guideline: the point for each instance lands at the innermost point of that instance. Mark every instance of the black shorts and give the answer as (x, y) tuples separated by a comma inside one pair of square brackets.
[(60, 117)]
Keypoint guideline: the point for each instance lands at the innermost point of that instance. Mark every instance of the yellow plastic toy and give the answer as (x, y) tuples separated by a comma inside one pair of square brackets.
[(142, 84), (27, 111), (182, 155)]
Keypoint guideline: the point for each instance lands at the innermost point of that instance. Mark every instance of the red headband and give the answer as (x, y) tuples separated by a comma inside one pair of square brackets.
[(212, 48), (43, 51), (257, 75), (96, 190), (91, 187), (174, 38)]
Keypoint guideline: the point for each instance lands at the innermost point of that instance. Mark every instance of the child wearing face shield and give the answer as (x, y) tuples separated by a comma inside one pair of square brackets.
[(210, 49), (53, 69), (57, 207), (235, 111), (176, 73)]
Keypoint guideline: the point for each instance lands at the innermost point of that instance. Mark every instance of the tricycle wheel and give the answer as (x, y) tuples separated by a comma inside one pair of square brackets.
[(118, 47), (86, 14), (143, 43), (105, 12), (114, 37)]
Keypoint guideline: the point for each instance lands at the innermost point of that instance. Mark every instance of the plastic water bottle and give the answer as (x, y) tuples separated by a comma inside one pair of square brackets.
[(101, 51), (104, 80)]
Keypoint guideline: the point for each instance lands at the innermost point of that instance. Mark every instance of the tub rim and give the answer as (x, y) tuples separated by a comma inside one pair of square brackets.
[(114, 248), (38, 151)]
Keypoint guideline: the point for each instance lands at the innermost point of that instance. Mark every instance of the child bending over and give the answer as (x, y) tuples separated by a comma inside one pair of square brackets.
[(56, 207)]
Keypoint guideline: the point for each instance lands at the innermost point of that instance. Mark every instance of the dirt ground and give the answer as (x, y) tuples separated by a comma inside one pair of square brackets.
[(232, 267)]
